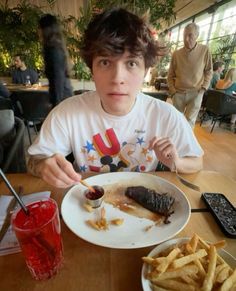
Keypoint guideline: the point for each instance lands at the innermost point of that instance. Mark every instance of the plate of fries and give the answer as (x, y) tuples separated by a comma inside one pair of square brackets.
[(109, 226), (189, 264)]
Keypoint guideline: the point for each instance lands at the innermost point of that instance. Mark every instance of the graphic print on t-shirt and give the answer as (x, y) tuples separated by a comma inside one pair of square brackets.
[(108, 154)]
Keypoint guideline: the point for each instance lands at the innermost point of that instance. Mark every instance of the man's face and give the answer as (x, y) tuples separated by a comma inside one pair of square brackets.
[(190, 38), (221, 69), (118, 80), (18, 62)]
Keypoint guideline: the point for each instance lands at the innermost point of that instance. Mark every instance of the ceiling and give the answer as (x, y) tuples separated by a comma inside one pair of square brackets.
[(187, 8), (183, 8)]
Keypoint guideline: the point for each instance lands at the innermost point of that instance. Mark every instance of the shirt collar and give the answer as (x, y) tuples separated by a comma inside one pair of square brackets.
[(190, 50)]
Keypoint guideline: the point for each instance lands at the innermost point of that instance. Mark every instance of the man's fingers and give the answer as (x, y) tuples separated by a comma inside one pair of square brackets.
[(159, 143), (51, 179), (59, 172), (67, 167)]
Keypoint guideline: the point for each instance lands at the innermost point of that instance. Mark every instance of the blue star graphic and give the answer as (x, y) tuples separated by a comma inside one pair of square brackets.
[(89, 147), (140, 140), (83, 168)]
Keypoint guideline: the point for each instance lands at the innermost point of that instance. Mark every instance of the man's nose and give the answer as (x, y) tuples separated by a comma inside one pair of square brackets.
[(118, 73)]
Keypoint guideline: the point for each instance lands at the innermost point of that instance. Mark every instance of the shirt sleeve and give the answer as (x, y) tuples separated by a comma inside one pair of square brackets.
[(34, 77), (207, 70), (171, 76), (54, 137), (176, 127)]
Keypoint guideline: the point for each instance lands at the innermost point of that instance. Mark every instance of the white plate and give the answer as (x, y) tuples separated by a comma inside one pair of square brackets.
[(131, 233), (146, 283)]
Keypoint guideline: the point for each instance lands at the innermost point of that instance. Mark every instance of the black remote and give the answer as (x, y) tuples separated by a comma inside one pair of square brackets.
[(223, 211)]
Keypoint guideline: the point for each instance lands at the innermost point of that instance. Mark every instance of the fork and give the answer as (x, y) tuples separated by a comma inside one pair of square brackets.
[(186, 182)]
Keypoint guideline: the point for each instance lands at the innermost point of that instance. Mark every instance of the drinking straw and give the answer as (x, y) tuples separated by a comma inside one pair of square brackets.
[(25, 209)]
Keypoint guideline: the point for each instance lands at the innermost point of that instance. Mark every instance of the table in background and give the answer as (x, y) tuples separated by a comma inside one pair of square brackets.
[(90, 267), (18, 87), (161, 94)]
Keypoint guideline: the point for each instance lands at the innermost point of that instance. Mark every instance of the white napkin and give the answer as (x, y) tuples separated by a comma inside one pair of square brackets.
[(9, 243)]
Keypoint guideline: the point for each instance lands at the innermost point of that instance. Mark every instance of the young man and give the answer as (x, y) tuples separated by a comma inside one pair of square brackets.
[(22, 74), (116, 128), (190, 74), (218, 68)]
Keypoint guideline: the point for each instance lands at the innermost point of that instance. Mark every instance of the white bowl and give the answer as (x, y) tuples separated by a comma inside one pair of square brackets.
[(178, 241)]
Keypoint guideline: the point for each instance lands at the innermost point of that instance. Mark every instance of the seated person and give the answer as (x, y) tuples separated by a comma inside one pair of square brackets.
[(4, 91), (22, 74), (228, 86), (115, 128), (218, 68)]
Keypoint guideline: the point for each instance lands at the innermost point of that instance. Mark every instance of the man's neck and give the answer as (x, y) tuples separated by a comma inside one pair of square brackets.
[(191, 49)]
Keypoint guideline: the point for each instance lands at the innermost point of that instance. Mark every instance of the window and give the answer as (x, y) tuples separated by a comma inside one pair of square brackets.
[(217, 30)]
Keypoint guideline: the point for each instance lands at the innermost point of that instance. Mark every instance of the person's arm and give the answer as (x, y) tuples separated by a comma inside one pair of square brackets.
[(34, 77), (171, 76), (207, 70), (54, 170), (167, 154)]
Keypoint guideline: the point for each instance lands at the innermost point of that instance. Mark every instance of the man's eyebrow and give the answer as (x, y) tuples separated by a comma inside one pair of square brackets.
[(134, 56)]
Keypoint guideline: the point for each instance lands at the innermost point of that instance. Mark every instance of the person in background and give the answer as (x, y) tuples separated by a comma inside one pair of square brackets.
[(228, 86), (4, 92), (55, 58), (22, 74), (218, 68), (189, 74), (5, 101), (116, 127)]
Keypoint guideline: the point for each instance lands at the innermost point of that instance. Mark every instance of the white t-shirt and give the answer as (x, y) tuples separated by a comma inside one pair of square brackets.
[(102, 142)]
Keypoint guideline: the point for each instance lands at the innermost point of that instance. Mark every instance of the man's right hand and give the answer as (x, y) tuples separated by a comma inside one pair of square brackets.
[(55, 170)]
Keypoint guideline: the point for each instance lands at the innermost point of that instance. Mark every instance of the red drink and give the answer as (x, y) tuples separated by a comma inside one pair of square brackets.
[(39, 236)]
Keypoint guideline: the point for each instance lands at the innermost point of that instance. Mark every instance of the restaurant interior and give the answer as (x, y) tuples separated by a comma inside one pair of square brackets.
[(110, 246)]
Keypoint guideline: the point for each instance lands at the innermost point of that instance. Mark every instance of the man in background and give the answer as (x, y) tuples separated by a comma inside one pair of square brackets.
[(190, 74), (22, 74), (218, 68)]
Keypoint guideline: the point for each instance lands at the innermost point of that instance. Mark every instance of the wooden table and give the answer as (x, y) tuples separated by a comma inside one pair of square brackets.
[(90, 267), (19, 87)]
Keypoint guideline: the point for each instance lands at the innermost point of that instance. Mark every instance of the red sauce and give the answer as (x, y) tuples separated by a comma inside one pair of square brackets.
[(99, 192)]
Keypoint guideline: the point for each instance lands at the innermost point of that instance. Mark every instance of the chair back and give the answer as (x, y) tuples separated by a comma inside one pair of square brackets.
[(5, 103), (220, 103), (33, 105), (12, 155)]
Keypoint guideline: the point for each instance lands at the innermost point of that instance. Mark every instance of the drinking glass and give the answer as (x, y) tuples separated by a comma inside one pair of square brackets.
[(39, 235)]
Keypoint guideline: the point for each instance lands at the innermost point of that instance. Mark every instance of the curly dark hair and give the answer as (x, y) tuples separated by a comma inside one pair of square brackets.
[(116, 30)]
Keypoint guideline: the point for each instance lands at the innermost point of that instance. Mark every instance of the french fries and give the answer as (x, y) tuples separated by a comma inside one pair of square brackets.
[(193, 265), (102, 223)]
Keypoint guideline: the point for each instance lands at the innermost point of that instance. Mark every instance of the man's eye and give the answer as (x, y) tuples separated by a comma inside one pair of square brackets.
[(132, 64), (104, 63)]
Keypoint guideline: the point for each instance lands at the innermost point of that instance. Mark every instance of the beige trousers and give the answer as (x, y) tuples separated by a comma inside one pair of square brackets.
[(189, 103)]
